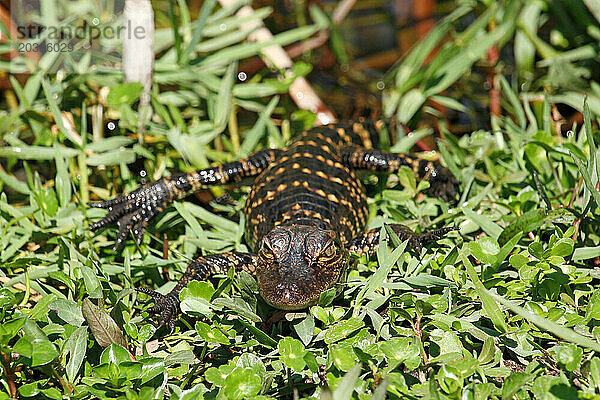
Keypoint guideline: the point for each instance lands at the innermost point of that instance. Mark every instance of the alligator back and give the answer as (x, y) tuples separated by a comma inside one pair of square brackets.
[(307, 185)]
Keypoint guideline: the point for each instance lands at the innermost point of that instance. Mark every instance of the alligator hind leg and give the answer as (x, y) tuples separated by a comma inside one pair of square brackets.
[(442, 183), (167, 306), (133, 211), (367, 242)]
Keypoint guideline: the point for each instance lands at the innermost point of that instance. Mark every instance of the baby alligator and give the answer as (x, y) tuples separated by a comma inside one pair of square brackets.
[(305, 212)]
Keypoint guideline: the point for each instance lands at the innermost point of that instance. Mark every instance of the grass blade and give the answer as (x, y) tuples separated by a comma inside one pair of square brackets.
[(488, 303), (586, 178), (486, 224), (199, 25), (550, 326)]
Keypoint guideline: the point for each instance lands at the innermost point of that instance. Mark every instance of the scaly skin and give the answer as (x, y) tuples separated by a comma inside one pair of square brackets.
[(305, 212)]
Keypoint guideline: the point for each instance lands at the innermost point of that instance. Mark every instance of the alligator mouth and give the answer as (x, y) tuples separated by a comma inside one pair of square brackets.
[(289, 296)]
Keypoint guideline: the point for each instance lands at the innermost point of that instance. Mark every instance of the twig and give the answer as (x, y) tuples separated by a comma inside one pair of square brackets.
[(274, 56), (138, 50), (165, 246), (495, 107), (339, 13), (315, 42), (575, 191), (342, 10), (493, 55), (10, 376)]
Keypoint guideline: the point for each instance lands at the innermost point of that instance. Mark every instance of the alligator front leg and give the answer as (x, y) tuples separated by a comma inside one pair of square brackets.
[(167, 307), (442, 183), (367, 242), (134, 210)]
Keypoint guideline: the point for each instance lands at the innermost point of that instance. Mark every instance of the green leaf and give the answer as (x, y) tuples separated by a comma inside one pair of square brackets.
[(342, 329), (241, 384), (43, 352), (305, 329), (110, 143), (292, 353), (550, 326), (589, 184), (489, 305), (562, 248), (595, 371), (386, 262), (409, 105), (34, 152), (252, 137), (530, 221), (345, 388), (203, 290), (406, 176), (199, 25), (342, 357), (77, 344), (586, 253), (103, 327), (223, 102), (40, 310), (319, 17), (450, 379), (587, 124), (7, 299), (488, 226), (47, 201), (211, 335), (31, 389), (68, 311), (514, 101), (124, 93), (473, 50), (419, 53), (569, 356), (506, 249), (55, 110), (62, 181), (114, 354), (485, 249)]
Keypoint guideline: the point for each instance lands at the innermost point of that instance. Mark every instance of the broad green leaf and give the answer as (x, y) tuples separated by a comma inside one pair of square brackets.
[(124, 93), (102, 326), (291, 353), (305, 329), (211, 335), (77, 350), (342, 330), (68, 311), (241, 384)]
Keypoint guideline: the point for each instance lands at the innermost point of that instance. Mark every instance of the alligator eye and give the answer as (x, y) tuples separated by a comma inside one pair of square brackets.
[(266, 253), (328, 253)]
